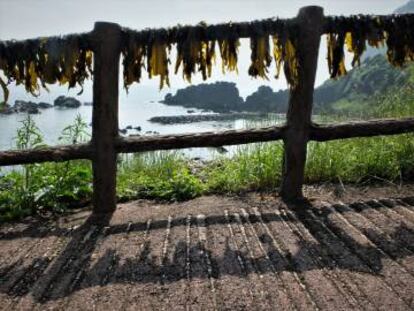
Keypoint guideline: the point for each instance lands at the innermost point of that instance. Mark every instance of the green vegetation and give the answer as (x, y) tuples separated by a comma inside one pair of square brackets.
[(48, 186), (157, 175), (358, 92)]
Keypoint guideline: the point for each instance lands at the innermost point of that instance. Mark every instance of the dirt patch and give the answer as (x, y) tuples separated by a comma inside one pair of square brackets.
[(352, 251)]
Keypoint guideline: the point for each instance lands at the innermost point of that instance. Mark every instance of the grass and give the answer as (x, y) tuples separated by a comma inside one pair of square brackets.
[(157, 175), (361, 160), (170, 176), (253, 167), (34, 188)]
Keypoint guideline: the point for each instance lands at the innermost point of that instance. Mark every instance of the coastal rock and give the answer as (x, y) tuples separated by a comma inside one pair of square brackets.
[(21, 106), (33, 110), (152, 132), (25, 106), (183, 119), (67, 102), (223, 97), (218, 97), (43, 105), (266, 100)]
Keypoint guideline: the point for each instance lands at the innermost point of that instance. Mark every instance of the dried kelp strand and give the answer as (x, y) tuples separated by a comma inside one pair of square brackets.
[(188, 55), (5, 90), (291, 63), (356, 45), (133, 55), (277, 54), (399, 40), (206, 60), (336, 55), (210, 57), (53, 49), (375, 32), (285, 53), (260, 56), (356, 39), (158, 62), (228, 51)]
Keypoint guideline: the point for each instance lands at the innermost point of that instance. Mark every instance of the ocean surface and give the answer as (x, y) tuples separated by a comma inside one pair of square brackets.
[(135, 109)]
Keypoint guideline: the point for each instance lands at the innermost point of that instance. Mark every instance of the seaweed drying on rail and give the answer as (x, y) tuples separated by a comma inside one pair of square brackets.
[(68, 60), (355, 32)]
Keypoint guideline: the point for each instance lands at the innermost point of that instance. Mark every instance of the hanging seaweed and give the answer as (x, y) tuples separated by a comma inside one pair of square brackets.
[(68, 60), (260, 56), (277, 54), (285, 53), (157, 61), (5, 90), (228, 51), (133, 61), (399, 38), (356, 41), (46, 61), (208, 56), (195, 55), (336, 55), (395, 32)]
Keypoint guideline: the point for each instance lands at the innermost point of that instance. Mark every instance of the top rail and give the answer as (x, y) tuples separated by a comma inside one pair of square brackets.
[(221, 31)]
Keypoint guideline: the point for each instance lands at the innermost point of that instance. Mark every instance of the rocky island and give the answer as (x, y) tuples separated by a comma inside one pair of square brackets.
[(224, 97), (22, 106)]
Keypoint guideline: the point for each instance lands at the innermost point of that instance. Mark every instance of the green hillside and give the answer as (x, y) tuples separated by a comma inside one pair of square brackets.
[(358, 91), (374, 84)]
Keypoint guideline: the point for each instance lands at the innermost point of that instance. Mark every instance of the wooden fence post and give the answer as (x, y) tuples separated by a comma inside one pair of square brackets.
[(310, 24), (107, 45)]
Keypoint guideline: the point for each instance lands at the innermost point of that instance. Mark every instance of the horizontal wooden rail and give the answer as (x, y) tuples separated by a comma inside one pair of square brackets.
[(46, 154), (361, 129), (209, 139), (192, 140)]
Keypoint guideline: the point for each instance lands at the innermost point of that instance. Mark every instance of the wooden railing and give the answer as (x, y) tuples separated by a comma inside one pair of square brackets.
[(106, 143)]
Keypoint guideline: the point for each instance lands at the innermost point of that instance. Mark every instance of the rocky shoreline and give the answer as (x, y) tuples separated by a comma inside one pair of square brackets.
[(184, 119), (22, 106)]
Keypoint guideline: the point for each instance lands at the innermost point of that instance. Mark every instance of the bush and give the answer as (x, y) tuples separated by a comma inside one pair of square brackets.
[(29, 189)]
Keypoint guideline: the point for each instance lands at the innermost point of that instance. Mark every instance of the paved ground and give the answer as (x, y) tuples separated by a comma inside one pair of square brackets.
[(215, 253)]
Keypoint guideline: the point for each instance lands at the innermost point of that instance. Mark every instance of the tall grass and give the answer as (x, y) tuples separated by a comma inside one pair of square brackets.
[(361, 159), (157, 175), (253, 167)]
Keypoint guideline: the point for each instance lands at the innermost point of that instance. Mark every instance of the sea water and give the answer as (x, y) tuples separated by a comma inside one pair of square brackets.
[(135, 109)]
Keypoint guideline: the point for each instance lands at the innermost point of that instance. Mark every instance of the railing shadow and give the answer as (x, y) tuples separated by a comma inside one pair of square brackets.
[(332, 248)]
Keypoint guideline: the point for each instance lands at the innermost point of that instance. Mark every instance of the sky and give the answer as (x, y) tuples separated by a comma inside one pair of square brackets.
[(22, 19)]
